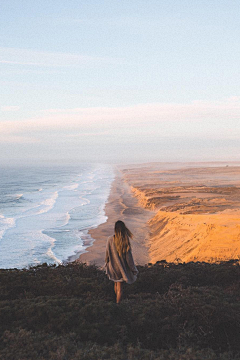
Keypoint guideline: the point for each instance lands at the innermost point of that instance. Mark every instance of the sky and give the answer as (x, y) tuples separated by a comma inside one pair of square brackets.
[(119, 81)]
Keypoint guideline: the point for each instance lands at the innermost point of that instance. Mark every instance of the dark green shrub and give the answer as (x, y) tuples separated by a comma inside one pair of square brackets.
[(170, 312)]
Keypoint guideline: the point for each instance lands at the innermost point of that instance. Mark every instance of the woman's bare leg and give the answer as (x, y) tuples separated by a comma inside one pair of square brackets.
[(115, 288), (119, 292)]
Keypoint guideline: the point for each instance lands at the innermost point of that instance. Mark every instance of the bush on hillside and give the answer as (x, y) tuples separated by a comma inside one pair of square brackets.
[(173, 311)]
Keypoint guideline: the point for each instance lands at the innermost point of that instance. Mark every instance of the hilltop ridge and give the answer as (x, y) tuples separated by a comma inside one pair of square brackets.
[(179, 311)]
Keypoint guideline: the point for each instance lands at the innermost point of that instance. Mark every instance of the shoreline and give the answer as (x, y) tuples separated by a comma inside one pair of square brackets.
[(178, 214), (121, 205)]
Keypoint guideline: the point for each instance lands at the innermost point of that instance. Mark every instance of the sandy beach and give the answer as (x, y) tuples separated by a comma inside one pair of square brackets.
[(177, 212), (121, 205)]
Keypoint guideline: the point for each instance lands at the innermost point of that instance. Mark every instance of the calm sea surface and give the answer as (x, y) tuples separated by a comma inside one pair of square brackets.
[(45, 213)]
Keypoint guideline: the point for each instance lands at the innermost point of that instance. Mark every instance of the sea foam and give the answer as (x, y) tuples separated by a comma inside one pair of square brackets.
[(59, 207), (5, 224), (48, 203)]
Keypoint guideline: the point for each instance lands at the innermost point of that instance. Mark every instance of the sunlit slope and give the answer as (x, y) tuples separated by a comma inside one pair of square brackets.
[(197, 212), (194, 237)]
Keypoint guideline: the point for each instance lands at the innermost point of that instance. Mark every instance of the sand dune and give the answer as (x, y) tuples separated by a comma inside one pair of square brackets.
[(191, 237)]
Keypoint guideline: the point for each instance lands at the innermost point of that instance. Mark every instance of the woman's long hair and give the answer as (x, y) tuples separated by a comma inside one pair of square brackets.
[(121, 238)]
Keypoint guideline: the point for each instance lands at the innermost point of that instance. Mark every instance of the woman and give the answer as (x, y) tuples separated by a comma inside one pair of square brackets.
[(119, 262)]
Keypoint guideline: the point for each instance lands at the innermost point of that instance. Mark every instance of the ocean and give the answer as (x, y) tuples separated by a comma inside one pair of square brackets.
[(46, 212)]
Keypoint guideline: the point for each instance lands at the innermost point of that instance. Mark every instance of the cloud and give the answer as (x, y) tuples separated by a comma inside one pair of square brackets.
[(18, 139), (200, 118), (10, 108), (28, 57), (151, 114), (88, 134)]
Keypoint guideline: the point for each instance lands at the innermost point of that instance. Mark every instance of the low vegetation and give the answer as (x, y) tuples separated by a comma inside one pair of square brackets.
[(172, 312)]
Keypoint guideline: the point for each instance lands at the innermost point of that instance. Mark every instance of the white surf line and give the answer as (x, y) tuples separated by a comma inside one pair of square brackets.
[(49, 203), (5, 224), (50, 252)]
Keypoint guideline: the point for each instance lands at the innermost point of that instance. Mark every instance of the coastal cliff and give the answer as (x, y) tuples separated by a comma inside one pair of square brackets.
[(197, 212)]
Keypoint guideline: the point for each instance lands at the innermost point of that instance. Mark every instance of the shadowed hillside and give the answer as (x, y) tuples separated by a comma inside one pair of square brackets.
[(173, 311)]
